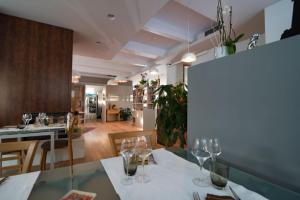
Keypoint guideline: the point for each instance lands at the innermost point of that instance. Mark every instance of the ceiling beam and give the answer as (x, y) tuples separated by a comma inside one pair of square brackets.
[(99, 71), (131, 59), (204, 7), (143, 50), (167, 30)]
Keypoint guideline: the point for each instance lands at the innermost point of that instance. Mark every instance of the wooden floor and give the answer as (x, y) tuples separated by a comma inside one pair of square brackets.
[(97, 145), (96, 141)]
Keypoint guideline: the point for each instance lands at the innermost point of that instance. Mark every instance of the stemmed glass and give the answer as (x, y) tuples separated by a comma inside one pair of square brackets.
[(214, 148), (143, 150), (127, 151), (26, 118), (200, 151), (42, 117)]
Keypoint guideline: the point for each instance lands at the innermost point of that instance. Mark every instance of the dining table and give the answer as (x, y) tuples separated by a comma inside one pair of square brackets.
[(33, 131), (100, 178)]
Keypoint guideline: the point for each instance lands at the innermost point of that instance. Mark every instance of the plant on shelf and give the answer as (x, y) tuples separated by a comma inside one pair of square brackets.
[(227, 35), (171, 120), (136, 86), (125, 113), (143, 81), (154, 83)]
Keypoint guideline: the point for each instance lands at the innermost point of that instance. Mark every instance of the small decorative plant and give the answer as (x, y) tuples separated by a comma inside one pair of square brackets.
[(171, 120), (143, 80), (154, 83), (125, 113), (227, 35)]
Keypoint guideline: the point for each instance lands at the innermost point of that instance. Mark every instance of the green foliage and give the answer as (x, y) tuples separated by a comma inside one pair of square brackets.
[(172, 118), (125, 113), (154, 83), (230, 44)]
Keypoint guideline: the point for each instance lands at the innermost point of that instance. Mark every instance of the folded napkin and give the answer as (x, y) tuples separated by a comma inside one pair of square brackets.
[(217, 197), (18, 187), (171, 178)]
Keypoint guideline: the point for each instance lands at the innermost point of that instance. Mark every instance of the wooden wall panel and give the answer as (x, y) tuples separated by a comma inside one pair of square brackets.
[(35, 68)]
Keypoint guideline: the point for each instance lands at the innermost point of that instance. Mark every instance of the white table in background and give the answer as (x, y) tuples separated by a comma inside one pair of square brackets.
[(34, 131)]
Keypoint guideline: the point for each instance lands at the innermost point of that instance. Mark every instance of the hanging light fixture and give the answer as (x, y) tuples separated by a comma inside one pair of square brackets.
[(188, 57), (121, 79), (153, 71)]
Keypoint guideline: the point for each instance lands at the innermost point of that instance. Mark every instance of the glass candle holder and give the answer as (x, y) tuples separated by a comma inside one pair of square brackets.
[(132, 166), (219, 174)]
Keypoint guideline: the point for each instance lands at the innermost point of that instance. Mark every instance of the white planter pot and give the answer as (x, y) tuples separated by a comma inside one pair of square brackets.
[(221, 51)]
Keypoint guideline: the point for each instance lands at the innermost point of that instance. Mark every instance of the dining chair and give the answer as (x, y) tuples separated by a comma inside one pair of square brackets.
[(116, 138), (59, 144), (21, 153)]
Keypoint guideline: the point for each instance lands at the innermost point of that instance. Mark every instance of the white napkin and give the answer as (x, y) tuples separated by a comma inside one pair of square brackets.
[(171, 179), (18, 187)]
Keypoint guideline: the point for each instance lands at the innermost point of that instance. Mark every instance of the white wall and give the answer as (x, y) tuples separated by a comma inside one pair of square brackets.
[(278, 18)]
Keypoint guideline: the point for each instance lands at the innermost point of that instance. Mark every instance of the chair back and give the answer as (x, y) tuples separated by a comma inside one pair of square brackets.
[(69, 132), (116, 138), (22, 152)]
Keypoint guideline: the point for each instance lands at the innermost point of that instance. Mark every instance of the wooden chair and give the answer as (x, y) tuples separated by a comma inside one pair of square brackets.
[(59, 144), (116, 138), (14, 151)]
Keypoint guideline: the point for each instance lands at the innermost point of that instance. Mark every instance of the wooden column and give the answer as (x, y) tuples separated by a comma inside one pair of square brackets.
[(35, 68)]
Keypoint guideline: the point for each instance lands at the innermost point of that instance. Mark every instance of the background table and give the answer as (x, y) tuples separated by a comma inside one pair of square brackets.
[(32, 131)]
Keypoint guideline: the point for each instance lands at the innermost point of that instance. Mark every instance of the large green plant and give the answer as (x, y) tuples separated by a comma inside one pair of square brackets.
[(172, 117)]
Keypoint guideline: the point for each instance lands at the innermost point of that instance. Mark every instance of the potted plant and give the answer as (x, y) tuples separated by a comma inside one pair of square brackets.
[(125, 113), (227, 36), (171, 120), (154, 83), (143, 81)]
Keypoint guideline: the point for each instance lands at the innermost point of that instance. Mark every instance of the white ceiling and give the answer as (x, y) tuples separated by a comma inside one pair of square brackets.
[(144, 33)]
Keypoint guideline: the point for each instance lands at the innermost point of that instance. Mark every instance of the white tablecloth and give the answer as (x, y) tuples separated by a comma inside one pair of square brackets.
[(171, 179), (18, 187)]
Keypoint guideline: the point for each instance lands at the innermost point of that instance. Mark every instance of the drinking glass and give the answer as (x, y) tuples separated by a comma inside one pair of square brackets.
[(26, 118), (29, 118), (219, 175), (127, 152), (214, 148), (200, 151), (41, 118), (143, 150)]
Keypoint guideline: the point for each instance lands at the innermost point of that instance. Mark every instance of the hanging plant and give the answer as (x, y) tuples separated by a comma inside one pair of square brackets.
[(227, 35)]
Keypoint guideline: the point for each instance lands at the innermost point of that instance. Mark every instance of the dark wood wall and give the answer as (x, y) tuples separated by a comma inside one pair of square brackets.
[(35, 68)]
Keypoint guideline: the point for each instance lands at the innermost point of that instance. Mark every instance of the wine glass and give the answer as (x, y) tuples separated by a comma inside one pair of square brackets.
[(200, 151), (41, 118), (143, 150), (29, 118), (127, 152), (214, 148), (26, 118)]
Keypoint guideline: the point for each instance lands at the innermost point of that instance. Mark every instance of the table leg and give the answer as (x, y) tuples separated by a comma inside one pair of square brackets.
[(52, 155)]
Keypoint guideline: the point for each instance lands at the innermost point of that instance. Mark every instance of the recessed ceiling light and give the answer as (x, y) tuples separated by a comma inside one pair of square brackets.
[(111, 16)]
